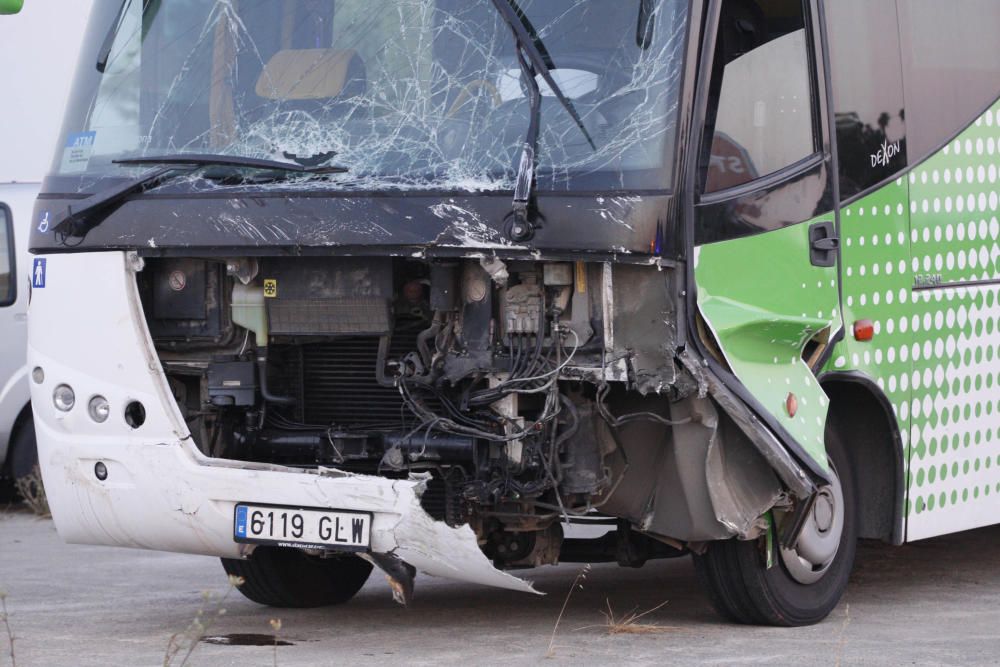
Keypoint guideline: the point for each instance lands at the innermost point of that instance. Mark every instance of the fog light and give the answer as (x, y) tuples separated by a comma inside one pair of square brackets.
[(64, 398), (135, 414), (99, 409), (38, 375)]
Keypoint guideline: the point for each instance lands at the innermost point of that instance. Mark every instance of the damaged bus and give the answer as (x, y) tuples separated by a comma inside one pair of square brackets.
[(329, 285)]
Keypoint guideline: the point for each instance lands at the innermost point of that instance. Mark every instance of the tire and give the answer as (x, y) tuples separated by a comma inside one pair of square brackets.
[(23, 452), (285, 577), (742, 589)]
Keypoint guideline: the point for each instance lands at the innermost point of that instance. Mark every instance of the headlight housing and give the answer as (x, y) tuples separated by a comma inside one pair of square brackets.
[(99, 409), (63, 398)]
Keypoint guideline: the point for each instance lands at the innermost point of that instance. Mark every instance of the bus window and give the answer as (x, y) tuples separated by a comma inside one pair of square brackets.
[(951, 67), (761, 93), (6, 258), (867, 92)]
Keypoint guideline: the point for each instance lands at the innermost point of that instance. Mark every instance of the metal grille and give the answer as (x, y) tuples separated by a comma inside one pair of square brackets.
[(338, 380), (339, 386)]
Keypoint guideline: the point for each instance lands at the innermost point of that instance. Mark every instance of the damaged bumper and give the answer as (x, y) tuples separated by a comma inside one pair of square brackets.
[(158, 491)]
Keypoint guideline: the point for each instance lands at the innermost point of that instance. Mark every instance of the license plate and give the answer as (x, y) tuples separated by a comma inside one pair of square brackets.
[(305, 528)]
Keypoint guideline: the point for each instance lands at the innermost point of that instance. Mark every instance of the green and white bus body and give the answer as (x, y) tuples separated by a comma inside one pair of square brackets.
[(423, 284)]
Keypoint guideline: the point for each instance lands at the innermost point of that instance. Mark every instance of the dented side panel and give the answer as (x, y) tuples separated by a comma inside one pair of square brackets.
[(763, 301)]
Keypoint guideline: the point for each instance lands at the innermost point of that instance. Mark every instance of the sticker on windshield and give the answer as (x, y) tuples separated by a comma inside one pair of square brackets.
[(76, 153), (43, 222), (38, 273)]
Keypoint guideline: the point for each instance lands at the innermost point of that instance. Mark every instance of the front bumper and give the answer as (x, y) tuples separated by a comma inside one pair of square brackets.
[(86, 330)]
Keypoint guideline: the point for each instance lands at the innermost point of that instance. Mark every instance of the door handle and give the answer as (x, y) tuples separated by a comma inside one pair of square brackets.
[(823, 244)]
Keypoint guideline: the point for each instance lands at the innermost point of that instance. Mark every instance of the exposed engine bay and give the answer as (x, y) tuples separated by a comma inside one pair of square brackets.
[(534, 393)]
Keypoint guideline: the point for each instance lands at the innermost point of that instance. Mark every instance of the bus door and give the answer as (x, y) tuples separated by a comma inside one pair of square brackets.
[(766, 247)]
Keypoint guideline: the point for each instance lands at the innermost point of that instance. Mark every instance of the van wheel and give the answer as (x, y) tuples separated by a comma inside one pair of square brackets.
[(280, 577), (23, 451), (804, 584)]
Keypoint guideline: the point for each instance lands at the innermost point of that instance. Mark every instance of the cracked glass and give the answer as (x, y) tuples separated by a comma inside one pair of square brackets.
[(406, 94)]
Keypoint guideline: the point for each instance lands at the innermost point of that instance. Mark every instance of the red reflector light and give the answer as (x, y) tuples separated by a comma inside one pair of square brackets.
[(791, 405), (864, 330)]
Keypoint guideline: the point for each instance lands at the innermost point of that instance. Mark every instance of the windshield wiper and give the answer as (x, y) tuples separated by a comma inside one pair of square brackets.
[(109, 38), (210, 160), (533, 59), (81, 216)]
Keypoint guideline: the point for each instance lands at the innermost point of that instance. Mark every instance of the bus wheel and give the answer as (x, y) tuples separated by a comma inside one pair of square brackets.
[(803, 584), (280, 577)]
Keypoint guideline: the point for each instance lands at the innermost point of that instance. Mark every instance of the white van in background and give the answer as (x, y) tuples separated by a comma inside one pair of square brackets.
[(28, 133), (18, 453)]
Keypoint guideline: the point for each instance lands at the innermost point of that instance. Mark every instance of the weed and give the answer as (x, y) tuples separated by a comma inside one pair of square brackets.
[(31, 490), (628, 623), (6, 624), (276, 626), (843, 633), (577, 583), (187, 640)]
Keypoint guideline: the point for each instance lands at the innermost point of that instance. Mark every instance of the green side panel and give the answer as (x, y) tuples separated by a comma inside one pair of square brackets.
[(877, 278), (763, 301), (921, 259), (11, 6)]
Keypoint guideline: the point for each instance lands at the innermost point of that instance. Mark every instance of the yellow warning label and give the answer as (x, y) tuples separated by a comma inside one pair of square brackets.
[(270, 288), (581, 277)]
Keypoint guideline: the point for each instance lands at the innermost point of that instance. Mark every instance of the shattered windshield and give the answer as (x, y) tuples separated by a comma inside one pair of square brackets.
[(414, 94)]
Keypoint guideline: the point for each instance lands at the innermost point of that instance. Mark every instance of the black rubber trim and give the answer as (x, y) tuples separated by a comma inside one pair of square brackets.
[(866, 382), (765, 182), (10, 298)]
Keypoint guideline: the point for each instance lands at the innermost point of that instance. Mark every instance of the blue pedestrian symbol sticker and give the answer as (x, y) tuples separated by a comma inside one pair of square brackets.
[(38, 273), (43, 222)]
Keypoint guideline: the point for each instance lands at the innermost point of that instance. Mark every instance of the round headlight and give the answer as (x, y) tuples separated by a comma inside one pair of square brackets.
[(38, 375), (99, 409), (64, 398)]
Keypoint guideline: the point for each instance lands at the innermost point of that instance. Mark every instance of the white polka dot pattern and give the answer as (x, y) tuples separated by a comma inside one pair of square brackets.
[(936, 352)]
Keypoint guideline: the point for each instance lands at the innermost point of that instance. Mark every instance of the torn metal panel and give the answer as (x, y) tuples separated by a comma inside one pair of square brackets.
[(644, 325), (702, 481), (435, 548), (793, 475)]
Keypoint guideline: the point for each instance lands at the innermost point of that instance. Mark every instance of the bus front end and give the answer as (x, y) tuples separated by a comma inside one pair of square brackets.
[(320, 286)]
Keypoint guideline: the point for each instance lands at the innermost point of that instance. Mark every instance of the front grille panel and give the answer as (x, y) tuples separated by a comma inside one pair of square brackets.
[(339, 387)]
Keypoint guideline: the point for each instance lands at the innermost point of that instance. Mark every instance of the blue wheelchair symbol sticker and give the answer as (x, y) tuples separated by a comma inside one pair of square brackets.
[(43, 223), (38, 273)]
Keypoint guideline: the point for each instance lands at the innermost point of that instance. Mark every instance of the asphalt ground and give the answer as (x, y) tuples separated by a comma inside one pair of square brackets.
[(935, 602)]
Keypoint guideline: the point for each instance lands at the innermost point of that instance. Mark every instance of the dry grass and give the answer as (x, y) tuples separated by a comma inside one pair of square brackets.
[(276, 626), (32, 492), (6, 624), (843, 633), (577, 583), (182, 644), (628, 624)]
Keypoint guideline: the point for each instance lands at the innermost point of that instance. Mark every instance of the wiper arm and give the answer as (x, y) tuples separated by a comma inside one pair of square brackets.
[(80, 216), (77, 220), (211, 160), (532, 47), (532, 61), (109, 38)]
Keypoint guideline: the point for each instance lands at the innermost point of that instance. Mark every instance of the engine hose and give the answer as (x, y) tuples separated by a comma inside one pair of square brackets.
[(264, 391)]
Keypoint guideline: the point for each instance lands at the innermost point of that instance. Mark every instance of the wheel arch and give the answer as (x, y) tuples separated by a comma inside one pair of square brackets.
[(863, 417)]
